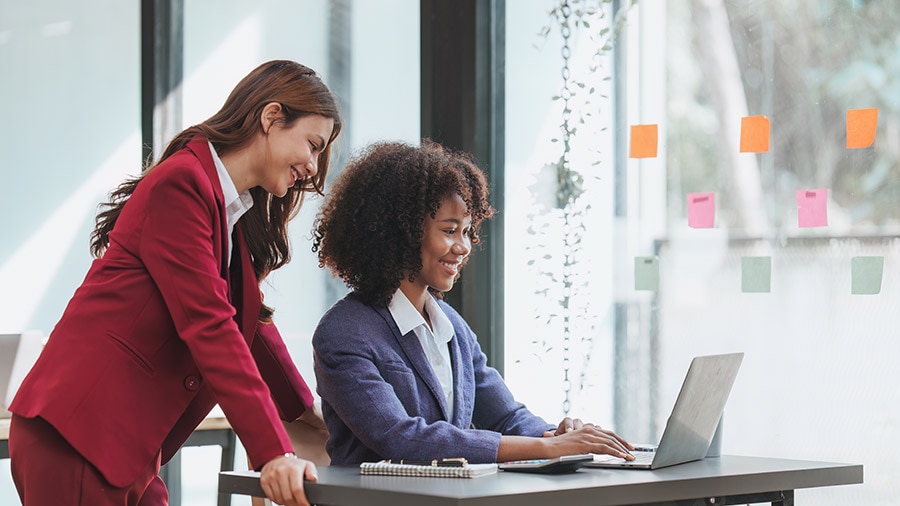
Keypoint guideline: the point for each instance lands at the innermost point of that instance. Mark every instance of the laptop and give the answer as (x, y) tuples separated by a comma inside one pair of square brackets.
[(694, 417), (18, 352)]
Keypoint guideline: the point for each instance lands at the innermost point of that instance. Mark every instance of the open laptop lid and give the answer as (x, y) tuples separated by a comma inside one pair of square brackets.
[(697, 409)]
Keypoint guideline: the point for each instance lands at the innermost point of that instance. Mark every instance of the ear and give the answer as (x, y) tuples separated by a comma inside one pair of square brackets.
[(270, 113)]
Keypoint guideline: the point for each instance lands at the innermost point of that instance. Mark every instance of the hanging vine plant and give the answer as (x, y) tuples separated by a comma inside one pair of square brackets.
[(563, 274)]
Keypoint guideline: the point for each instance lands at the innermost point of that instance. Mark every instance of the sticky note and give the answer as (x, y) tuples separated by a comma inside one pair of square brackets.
[(812, 208), (701, 210), (646, 273), (756, 274), (644, 139), (865, 275), (861, 125), (754, 134)]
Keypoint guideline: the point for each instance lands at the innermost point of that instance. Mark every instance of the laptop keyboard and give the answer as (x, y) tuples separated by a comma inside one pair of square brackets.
[(639, 458), (642, 457)]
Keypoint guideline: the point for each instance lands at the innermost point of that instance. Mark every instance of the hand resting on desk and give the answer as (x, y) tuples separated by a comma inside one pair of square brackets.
[(282, 480)]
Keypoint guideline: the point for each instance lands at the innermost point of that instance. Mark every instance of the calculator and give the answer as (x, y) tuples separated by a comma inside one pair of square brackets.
[(564, 464)]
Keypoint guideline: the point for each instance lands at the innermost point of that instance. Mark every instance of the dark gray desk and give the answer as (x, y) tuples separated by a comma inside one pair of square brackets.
[(724, 480)]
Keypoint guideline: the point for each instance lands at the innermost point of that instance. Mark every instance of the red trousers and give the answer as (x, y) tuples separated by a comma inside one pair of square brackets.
[(47, 471)]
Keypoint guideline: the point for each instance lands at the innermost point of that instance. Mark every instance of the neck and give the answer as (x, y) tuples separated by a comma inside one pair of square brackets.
[(416, 295), (240, 166)]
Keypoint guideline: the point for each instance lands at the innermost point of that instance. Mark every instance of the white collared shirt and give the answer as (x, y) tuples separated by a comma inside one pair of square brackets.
[(434, 342), (235, 205)]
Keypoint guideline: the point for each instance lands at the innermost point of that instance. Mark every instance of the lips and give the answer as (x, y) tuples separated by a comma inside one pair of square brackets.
[(451, 267)]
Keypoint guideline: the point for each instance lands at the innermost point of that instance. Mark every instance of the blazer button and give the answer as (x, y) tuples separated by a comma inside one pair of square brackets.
[(192, 383)]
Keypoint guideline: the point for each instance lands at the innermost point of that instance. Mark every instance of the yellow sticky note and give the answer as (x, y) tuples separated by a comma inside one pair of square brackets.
[(861, 125), (754, 134), (644, 139)]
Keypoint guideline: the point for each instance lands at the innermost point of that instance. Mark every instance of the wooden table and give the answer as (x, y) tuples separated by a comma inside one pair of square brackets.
[(723, 480)]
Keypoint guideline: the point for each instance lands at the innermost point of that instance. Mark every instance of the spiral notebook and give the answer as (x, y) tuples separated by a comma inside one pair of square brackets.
[(390, 469)]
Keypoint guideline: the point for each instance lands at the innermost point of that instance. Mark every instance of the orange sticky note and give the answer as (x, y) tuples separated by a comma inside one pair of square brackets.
[(701, 210), (754, 134), (861, 125), (644, 139)]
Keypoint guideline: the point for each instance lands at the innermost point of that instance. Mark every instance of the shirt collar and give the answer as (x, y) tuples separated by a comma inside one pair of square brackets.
[(408, 318), (235, 205)]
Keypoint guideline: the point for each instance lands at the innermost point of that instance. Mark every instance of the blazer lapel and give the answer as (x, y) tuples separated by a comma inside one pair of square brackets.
[(416, 355), (245, 294), (241, 279), (200, 147), (462, 402)]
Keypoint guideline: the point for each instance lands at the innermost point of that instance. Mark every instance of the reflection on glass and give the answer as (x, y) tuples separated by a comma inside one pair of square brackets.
[(813, 190)]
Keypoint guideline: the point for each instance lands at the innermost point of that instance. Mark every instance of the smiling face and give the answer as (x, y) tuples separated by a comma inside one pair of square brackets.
[(293, 152), (446, 243)]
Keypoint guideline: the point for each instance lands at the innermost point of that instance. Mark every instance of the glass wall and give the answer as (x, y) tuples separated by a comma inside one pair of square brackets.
[(797, 266), (558, 217), (69, 132)]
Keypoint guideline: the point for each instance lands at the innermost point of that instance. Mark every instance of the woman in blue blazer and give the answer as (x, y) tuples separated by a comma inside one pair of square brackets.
[(399, 371)]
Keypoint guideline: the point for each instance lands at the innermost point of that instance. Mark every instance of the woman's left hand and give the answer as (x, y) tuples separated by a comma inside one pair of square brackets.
[(282, 480), (565, 426)]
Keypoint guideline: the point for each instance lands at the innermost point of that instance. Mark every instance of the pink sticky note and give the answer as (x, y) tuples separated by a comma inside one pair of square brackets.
[(812, 208), (701, 210)]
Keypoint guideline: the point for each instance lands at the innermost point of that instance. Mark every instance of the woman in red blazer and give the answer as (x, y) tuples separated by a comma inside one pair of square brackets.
[(169, 320)]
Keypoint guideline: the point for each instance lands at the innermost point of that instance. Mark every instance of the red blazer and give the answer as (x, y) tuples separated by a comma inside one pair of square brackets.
[(161, 330)]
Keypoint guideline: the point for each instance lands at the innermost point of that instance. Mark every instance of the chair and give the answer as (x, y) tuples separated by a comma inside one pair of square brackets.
[(308, 435)]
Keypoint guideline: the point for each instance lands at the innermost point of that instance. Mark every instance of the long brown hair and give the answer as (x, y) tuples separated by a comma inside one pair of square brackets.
[(301, 93)]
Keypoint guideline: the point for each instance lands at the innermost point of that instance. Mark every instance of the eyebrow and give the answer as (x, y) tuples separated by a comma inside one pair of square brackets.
[(451, 220)]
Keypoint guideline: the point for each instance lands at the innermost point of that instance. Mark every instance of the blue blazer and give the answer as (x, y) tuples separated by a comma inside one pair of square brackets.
[(382, 400)]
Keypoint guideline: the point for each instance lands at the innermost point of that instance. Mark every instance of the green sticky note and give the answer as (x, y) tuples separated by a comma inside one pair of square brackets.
[(756, 274), (865, 275), (646, 273)]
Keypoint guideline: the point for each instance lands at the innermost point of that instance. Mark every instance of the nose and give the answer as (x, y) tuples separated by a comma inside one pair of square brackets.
[(462, 246), (311, 167)]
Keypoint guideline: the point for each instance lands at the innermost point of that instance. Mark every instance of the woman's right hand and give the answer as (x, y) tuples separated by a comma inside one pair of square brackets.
[(282, 479), (589, 438)]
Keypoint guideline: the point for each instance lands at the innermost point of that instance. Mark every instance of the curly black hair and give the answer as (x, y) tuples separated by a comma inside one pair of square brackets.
[(370, 228)]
